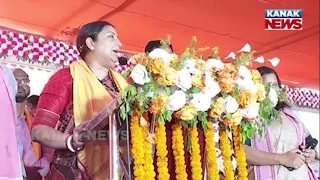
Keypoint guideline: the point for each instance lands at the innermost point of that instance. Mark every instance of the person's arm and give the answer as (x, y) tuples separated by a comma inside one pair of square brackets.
[(52, 103), (256, 157), (50, 137)]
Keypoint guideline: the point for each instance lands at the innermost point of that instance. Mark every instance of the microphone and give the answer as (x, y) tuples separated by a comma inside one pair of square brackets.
[(123, 60)]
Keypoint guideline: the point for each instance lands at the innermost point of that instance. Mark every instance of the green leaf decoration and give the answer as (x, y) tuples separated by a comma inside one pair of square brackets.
[(215, 53), (126, 74)]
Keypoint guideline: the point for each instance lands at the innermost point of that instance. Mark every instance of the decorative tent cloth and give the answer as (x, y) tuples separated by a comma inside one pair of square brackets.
[(303, 97), (36, 49)]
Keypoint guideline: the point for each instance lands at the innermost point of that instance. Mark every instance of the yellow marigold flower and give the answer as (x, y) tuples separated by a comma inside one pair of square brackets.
[(186, 113), (140, 58), (261, 92), (201, 65), (226, 153), (217, 109), (226, 84), (195, 158), (247, 97), (156, 65), (137, 149), (198, 81), (157, 104), (236, 117), (239, 153), (178, 151), (256, 76), (168, 77), (229, 71), (213, 172), (161, 152)]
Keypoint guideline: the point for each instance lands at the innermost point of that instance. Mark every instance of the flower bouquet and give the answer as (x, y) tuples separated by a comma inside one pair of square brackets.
[(189, 91)]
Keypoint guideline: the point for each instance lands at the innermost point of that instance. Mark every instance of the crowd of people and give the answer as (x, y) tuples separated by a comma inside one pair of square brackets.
[(43, 133)]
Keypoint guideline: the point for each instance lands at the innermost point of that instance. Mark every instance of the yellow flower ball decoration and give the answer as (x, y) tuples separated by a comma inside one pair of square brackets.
[(195, 158), (186, 113), (211, 154), (148, 165), (162, 152), (226, 153), (137, 146), (178, 152), (239, 153)]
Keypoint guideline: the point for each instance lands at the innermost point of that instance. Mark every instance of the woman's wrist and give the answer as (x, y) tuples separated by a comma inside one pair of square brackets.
[(277, 158), (69, 144)]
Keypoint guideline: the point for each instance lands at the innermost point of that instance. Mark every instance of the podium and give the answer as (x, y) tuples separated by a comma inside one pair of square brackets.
[(119, 163)]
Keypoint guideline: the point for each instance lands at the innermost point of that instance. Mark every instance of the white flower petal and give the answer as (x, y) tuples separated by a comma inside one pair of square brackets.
[(201, 102), (215, 63), (139, 74), (251, 111), (177, 100), (232, 55), (274, 61), (260, 59), (231, 104), (246, 48), (160, 53), (184, 81)]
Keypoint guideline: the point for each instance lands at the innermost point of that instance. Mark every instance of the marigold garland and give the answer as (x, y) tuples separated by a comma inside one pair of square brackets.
[(148, 165), (195, 158), (162, 152), (226, 153), (178, 152), (137, 147), (211, 154), (239, 153)]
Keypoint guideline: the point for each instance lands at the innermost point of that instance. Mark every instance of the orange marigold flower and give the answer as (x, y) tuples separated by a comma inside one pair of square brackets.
[(227, 85), (168, 77), (198, 81), (140, 58), (247, 97), (217, 109), (156, 65), (186, 113)]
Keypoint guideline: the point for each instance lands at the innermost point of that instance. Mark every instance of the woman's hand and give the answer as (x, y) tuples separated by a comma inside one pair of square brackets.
[(77, 136), (293, 158), (309, 154)]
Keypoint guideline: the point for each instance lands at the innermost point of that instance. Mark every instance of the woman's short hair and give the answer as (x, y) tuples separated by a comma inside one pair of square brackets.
[(91, 30), (154, 44)]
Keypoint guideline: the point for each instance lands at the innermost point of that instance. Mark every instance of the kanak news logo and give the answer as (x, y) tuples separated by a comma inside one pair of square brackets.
[(283, 19)]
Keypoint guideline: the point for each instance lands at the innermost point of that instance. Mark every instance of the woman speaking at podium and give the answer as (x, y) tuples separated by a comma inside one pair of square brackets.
[(73, 95)]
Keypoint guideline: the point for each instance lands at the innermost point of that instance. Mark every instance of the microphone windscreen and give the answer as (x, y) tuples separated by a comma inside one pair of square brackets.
[(123, 60)]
